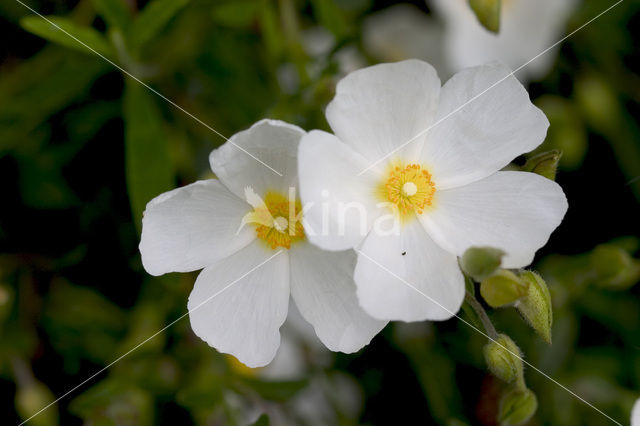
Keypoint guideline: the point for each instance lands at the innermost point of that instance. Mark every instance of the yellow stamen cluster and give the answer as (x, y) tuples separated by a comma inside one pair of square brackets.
[(410, 188), (280, 223)]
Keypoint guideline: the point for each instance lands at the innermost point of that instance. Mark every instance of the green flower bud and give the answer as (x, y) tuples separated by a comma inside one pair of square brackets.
[(503, 357), (32, 398), (502, 288), (480, 262), (517, 407), (544, 164), (614, 267), (536, 307), (488, 13)]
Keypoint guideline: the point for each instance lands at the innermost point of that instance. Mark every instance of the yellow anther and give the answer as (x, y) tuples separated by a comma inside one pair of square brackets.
[(410, 188), (280, 223)]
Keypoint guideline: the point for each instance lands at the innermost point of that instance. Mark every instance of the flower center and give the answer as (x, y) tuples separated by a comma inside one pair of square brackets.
[(280, 224), (410, 188), (278, 221)]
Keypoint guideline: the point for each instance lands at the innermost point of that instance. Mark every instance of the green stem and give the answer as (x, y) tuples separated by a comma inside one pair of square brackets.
[(482, 314), (291, 29)]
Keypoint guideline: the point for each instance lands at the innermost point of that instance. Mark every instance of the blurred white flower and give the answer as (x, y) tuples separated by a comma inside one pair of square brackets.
[(240, 298), (403, 31), (635, 414), (444, 188), (527, 27), (327, 399), (300, 351)]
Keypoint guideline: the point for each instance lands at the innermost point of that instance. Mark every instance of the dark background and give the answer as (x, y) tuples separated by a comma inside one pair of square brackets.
[(80, 298)]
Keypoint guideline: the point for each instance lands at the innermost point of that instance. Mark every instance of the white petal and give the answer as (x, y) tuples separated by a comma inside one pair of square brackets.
[(377, 109), (255, 157), (192, 227), (238, 305), (485, 120), (340, 206), (408, 277), (635, 414), (513, 211), (322, 287)]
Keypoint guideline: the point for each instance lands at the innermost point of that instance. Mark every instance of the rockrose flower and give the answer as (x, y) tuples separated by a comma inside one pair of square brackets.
[(635, 414), (244, 231), (527, 28), (410, 201)]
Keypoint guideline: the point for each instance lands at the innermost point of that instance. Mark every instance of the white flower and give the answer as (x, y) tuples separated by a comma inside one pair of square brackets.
[(299, 353), (403, 31), (446, 184), (527, 28), (635, 414), (240, 299)]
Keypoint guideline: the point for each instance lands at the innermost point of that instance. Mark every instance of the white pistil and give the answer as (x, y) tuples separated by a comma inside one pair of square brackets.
[(409, 189), (280, 224)]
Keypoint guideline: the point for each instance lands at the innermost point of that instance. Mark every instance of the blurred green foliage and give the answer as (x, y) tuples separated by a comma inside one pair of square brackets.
[(83, 148)]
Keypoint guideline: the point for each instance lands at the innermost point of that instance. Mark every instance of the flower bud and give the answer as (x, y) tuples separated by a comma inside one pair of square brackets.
[(32, 398), (488, 13), (614, 267), (480, 262), (544, 164), (503, 357), (517, 407), (502, 288), (536, 307)]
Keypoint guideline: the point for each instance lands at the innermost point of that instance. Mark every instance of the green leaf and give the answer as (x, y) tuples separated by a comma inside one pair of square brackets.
[(271, 29), (331, 17), (37, 88), (41, 183), (152, 19), (279, 391), (263, 420), (67, 33), (148, 165), (82, 324), (237, 13), (115, 12), (435, 371), (112, 402)]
